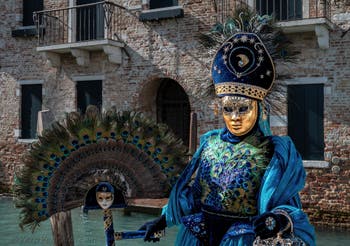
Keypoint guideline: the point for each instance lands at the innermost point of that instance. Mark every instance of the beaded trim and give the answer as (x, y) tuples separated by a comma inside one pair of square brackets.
[(239, 89)]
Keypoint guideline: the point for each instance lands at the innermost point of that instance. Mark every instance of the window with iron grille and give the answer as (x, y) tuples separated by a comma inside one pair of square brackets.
[(173, 108), (155, 4), (30, 6), (30, 106), (281, 10), (89, 93), (305, 120), (89, 21)]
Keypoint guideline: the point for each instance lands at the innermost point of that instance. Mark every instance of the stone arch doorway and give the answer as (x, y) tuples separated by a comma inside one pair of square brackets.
[(133, 153), (173, 108)]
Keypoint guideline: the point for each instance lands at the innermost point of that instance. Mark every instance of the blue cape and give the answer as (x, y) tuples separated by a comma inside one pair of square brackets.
[(283, 179)]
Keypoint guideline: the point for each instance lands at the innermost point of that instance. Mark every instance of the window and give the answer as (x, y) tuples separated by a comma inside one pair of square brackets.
[(89, 93), (281, 10), (30, 106), (155, 4), (173, 108), (305, 120), (159, 10), (30, 6)]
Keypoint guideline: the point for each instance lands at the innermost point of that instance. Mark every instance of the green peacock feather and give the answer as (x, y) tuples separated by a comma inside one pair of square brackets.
[(77, 147)]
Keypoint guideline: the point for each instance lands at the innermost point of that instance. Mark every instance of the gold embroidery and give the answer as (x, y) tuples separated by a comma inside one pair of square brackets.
[(239, 89)]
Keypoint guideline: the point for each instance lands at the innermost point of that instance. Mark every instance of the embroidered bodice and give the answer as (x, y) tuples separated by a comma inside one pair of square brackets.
[(229, 175)]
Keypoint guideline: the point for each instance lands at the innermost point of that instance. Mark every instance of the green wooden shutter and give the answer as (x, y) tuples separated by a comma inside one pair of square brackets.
[(305, 119), (29, 6), (89, 93), (30, 106)]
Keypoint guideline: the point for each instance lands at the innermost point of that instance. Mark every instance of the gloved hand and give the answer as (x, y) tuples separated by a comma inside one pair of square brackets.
[(269, 224), (151, 227)]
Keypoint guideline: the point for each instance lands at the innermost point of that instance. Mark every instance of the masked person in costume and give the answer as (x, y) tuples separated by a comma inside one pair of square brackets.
[(246, 180)]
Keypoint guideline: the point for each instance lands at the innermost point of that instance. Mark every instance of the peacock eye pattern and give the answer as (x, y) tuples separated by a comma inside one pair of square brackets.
[(48, 156)]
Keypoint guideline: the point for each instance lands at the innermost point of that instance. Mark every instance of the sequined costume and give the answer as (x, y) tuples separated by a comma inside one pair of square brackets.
[(236, 182)]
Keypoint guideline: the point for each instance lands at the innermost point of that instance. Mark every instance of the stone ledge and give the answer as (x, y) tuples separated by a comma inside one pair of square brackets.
[(24, 31), (316, 164), (162, 13)]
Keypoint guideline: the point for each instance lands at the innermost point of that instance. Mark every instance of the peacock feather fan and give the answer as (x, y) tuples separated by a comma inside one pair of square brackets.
[(141, 158)]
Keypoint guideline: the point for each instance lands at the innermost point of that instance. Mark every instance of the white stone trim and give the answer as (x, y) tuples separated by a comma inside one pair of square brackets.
[(30, 81), (23, 140), (322, 34), (316, 164), (306, 9), (77, 78), (134, 8), (278, 120), (17, 133), (251, 3), (306, 80), (82, 56), (161, 9)]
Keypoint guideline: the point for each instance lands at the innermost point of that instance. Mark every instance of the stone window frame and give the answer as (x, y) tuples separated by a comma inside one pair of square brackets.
[(78, 78), (147, 14), (17, 132), (305, 81), (25, 30)]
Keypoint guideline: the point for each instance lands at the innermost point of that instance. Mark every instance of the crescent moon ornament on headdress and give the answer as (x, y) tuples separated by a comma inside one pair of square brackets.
[(244, 60)]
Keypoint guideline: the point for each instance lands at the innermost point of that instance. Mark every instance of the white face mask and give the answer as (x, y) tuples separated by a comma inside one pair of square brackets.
[(104, 199)]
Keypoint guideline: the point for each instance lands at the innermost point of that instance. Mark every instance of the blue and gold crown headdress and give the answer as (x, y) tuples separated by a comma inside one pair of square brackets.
[(245, 47), (243, 66)]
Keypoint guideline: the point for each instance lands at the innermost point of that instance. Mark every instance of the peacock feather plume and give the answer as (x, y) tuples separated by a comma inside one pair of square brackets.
[(141, 158), (245, 20)]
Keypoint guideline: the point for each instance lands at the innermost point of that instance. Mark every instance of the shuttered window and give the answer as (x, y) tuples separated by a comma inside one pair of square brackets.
[(30, 6), (305, 119), (30, 106), (173, 108), (89, 93), (155, 4)]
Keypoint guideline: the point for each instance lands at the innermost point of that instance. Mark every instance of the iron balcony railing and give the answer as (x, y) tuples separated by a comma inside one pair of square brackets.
[(88, 22), (281, 10)]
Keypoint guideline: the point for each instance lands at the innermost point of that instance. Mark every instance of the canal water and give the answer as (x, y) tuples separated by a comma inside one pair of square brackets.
[(88, 229)]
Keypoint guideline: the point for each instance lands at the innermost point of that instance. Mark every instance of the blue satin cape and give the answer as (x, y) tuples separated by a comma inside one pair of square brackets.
[(283, 179)]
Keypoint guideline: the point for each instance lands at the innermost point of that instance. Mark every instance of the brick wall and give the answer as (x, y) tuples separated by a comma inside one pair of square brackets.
[(170, 49)]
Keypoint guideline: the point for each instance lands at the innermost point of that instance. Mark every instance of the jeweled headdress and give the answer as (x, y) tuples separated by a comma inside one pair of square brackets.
[(242, 66), (245, 47)]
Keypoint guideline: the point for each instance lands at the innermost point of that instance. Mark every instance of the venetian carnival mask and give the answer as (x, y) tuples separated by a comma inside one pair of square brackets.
[(104, 199), (104, 195), (240, 114)]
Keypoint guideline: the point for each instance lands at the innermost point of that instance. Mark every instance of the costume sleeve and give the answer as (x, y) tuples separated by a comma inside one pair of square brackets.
[(283, 179)]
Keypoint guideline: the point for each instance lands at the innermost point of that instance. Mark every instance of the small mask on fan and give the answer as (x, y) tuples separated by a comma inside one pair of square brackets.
[(105, 195)]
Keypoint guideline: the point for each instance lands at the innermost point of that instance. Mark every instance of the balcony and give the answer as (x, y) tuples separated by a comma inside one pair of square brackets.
[(79, 30), (293, 16)]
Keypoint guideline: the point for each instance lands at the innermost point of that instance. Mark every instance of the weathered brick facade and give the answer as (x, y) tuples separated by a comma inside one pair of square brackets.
[(170, 49)]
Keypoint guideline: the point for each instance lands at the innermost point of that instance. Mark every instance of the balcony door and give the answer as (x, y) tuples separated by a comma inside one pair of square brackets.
[(89, 20), (281, 10)]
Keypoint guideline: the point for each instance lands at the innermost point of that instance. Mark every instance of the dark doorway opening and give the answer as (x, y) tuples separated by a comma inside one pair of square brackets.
[(173, 108)]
